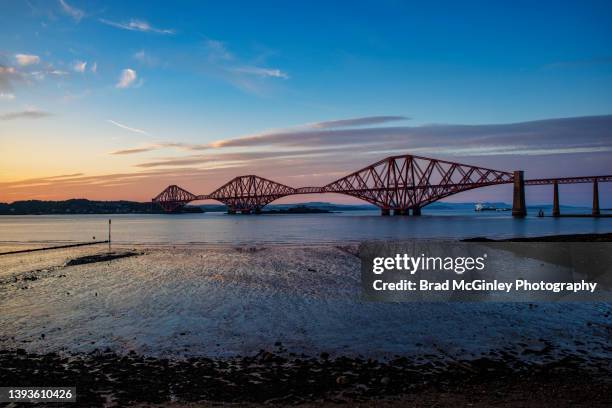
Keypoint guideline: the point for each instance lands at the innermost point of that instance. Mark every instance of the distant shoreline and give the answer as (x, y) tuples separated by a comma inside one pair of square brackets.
[(81, 206), (89, 207)]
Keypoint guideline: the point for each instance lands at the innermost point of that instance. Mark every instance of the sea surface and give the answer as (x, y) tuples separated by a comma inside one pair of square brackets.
[(349, 226)]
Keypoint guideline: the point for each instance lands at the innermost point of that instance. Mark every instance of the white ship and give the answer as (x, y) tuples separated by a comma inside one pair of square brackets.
[(488, 207)]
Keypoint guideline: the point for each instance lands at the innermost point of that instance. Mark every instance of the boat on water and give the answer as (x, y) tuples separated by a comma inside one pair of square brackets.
[(488, 207)]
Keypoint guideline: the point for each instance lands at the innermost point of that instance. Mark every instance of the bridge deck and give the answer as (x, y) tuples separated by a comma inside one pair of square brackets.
[(568, 180)]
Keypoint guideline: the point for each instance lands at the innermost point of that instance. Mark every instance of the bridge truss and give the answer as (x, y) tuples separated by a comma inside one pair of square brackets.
[(398, 183)]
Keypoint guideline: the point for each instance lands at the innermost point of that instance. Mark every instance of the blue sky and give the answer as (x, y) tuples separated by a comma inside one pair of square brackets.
[(110, 87)]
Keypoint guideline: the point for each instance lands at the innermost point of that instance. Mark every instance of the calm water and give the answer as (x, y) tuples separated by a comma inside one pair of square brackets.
[(219, 228)]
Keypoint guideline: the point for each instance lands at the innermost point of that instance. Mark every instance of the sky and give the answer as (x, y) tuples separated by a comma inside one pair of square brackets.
[(116, 100)]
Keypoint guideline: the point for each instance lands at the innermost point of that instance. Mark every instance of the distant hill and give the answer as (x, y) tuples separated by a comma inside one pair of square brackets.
[(82, 206)]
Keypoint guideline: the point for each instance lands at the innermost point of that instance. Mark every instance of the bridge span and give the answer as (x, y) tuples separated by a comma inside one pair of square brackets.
[(402, 184)]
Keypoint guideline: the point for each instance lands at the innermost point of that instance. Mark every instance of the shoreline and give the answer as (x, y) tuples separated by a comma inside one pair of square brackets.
[(589, 237)]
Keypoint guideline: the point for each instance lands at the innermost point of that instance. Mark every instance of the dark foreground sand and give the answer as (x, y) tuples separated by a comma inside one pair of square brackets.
[(277, 379)]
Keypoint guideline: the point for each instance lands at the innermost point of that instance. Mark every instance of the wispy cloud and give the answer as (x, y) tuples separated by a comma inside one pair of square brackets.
[(131, 129), (365, 121), (237, 157), (145, 58), (580, 132), (136, 25), (27, 59), (8, 75), (75, 13), (57, 72), (250, 76), (135, 185), (262, 72), (127, 78), (551, 136), (7, 96), (79, 66), (342, 123), (217, 51), (7, 70), (133, 150), (25, 114)]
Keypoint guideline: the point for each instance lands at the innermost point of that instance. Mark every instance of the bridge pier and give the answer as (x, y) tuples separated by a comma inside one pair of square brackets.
[(416, 211), (258, 210), (385, 211), (595, 210), (399, 211), (519, 209), (231, 211), (245, 211), (555, 210)]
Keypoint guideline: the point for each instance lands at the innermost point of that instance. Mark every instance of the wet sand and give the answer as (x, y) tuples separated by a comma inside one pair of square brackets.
[(203, 323)]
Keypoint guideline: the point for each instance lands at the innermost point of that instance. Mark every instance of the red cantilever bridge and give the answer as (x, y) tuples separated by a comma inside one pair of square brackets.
[(403, 184)]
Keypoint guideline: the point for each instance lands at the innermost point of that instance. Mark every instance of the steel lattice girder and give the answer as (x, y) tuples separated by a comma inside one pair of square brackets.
[(397, 182), (174, 197), (403, 182), (250, 192)]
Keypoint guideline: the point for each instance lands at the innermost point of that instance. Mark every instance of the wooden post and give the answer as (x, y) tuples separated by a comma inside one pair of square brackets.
[(555, 211), (109, 235)]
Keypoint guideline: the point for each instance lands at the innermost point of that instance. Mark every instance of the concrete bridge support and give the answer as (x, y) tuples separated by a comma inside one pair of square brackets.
[(385, 211), (555, 210), (519, 209), (595, 210), (416, 211)]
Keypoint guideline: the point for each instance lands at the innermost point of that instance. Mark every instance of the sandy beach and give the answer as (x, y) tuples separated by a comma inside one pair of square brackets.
[(271, 311)]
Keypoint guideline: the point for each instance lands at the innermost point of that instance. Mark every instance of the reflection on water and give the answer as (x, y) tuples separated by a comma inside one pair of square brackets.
[(349, 226)]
